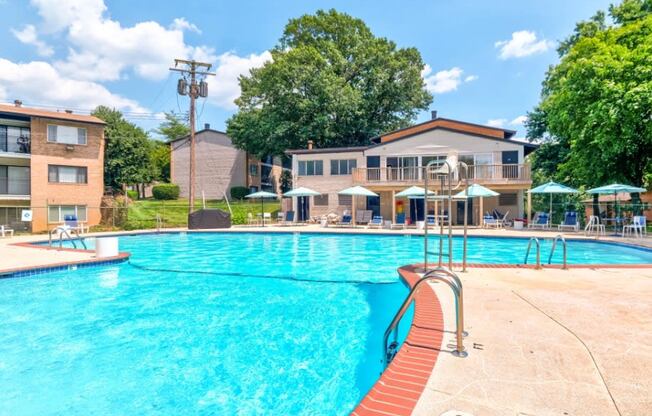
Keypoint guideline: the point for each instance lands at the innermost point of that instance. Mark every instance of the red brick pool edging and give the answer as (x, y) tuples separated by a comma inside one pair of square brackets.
[(399, 387)]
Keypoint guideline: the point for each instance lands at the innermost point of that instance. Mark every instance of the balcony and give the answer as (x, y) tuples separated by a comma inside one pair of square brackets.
[(15, 140), (14, 188), (482, 174)]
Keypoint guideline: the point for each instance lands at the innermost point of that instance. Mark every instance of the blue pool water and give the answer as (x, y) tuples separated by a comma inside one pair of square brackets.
[(219, 323)]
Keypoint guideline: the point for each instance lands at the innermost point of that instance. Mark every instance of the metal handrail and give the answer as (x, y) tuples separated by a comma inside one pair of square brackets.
[(527, 254), (159, 222), (552, 251), (64, 231), (458, 283), (393, 326)]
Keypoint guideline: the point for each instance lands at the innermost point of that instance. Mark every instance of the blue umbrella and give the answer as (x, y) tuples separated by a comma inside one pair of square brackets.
[(616, 188), (553, 188)]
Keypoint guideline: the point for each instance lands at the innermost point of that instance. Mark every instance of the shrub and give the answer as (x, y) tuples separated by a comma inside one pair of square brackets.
[(165, 191), (239, 192), (133, 195)]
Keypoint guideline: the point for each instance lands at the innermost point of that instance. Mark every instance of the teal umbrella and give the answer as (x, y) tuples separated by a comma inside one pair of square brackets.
[(616, 188), (477, 191), (301, 191), (553, 188), (353, 192), (262, 195)]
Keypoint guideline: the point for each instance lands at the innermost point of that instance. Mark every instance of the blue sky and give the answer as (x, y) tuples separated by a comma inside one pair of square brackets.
[(485, 60)]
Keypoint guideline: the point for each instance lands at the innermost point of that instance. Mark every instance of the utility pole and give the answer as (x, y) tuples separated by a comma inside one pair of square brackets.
[(193, 89)]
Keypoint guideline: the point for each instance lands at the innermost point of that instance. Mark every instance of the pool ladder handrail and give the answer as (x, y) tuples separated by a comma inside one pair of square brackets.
[(441, 274), (527, 253), (64, 231), (558, 237), (159, 223)]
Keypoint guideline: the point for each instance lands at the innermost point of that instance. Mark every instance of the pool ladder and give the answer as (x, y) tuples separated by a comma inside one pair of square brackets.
[(441, 274), (557, 238), (561, 238), (527, 253), (64, 231), (159, 223)]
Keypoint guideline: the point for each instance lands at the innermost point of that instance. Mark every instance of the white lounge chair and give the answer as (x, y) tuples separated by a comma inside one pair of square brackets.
[(5, 229), (638, 227), (570, 221), (400, 222), (593, 225), (376, 222), (542, 221)]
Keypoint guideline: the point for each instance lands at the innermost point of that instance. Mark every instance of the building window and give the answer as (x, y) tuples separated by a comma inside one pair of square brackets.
[(311, 167), (321, 200), (14, 180), (345, 200), (505, 200), (14, 139), (253, 169), (67, 174), (66, 134), (342, 167), (58, 213)]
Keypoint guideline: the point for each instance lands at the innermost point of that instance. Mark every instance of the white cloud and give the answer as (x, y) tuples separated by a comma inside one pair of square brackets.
[(41, 83), (523, 43), (444, 81), (181, 23), (59, 14), (497, 122), (29, 36), (223, 88), (518, 121)]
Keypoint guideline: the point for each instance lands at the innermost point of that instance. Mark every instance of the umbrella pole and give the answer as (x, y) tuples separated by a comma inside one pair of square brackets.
[(353, 209), (262, 210)]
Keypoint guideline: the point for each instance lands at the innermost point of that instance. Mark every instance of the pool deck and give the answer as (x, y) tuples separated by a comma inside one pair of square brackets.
[(541, 342)]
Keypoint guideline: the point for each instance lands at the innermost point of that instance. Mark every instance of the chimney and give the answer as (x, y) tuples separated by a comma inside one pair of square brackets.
[(310, 144), (433, 114), (207, 126), (18, 103), (68, 111)]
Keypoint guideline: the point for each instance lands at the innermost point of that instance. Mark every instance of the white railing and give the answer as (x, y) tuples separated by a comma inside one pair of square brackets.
[(413, 175)]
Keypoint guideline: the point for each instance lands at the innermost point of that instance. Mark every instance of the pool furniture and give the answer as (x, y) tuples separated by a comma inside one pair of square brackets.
[(376, 222), (5, 229), (400, 222), (345, 222), (570, 221), (364, 216), (251, 220), (638, 227), (594, 225), (288, 218), (280, 217), (542, 221), (71, 222)]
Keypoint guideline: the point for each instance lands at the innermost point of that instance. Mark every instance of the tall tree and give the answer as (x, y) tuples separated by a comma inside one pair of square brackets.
[(127, 150), (173, 127), (596, 106), (331, 80)]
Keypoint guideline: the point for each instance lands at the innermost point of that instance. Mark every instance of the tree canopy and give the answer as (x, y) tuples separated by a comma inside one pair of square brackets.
[(173, 127), (595, 113), (330, 80)]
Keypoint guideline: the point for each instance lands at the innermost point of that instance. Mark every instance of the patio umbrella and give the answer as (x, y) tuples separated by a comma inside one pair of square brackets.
[(616, 188), (301, 192), (477, 191), (262, 195), (552, 188), (413, 192), (353, 192)]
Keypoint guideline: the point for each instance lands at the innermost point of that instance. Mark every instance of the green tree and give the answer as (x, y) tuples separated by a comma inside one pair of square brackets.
[(331, 80), (596, 106), (172, 128), (127, 151)]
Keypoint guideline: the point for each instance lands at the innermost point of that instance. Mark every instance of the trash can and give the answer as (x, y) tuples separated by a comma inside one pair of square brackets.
[(420, 225), (106, 247), (518, 224)]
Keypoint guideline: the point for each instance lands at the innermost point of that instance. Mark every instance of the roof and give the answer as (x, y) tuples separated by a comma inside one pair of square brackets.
[(196, 133), (327, 150), (57, 115), (446, 124)]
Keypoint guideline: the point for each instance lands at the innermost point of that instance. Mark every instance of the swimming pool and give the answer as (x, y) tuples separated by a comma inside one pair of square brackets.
[(220, 323)]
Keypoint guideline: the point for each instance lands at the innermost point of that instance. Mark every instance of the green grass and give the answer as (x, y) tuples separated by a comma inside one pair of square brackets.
[(142, 213)]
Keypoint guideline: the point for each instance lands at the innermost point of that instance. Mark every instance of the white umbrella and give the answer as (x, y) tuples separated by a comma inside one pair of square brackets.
[(413, 192), (262, 195), (353, 192), (301, 192)]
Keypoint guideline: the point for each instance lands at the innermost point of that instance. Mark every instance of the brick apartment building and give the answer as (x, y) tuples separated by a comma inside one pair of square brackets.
[(52, 163)]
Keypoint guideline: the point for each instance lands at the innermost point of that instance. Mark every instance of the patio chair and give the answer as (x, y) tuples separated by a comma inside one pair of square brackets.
[(376, 222), (70, 222), (251, 220), (5, 229), (542, 221), (489, 221), (570, 221), (288, 218), (400, 222), (501, 221), (594, 225), (280, 217), (638, 227), (364, 216), (345, 222), (267, 217)]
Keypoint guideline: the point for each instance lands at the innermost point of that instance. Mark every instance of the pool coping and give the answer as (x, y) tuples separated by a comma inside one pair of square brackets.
[(400, 386), (66, 265)]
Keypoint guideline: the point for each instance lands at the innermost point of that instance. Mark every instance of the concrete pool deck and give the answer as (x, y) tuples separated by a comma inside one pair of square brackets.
[(541, 342)]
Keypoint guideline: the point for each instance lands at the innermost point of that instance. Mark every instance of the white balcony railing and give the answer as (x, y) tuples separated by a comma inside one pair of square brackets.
[(508, 173)]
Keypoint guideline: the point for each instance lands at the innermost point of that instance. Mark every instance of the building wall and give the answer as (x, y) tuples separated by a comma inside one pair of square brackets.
[(219, 165), (44, 153)]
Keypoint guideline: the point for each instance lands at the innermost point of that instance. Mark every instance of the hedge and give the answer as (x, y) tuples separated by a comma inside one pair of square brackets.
[(239, 192), (165, 191)]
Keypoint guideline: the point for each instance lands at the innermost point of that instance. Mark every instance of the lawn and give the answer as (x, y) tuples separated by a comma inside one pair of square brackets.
[(142, 213)]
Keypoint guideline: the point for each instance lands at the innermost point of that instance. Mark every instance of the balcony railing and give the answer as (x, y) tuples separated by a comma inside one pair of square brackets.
[(15, 145), (18, 187), (509, 173)]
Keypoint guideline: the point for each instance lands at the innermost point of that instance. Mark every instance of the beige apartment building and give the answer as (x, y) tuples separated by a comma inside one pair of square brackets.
[(51, 163), (394, 161), (220, 166)]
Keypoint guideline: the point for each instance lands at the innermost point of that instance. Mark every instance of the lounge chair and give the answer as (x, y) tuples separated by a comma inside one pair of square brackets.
[(570, 221), (638, 227), (288, 218), (488, 221), (5, 229), (251, 220), (345, 222), (400, 221), (542, 221), (70, 222), (376, 222), (364, 216), (594, 225), (280, 217)]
